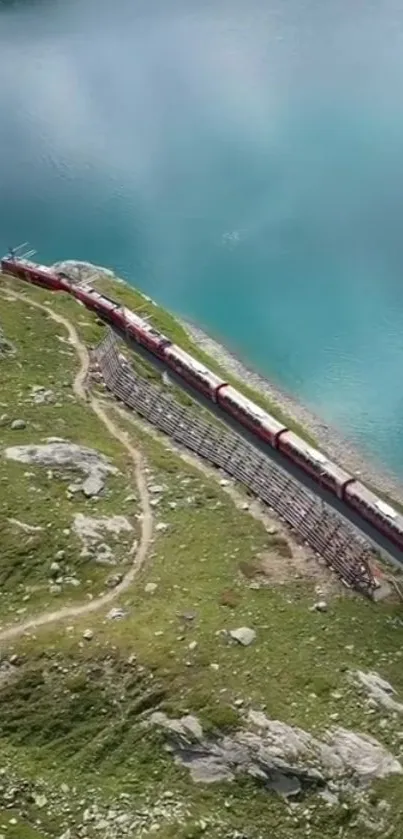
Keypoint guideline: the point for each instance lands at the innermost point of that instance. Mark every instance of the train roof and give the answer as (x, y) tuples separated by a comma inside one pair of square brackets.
[(305, 448), (372, 500), (143, 324), (254, 409), (194, 364)]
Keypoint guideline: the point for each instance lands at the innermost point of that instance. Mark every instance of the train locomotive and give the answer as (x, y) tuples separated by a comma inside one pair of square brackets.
[(251, 416)]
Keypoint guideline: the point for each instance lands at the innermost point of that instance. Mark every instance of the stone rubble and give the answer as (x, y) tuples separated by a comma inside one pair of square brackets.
[(379, 690), (64, 455)]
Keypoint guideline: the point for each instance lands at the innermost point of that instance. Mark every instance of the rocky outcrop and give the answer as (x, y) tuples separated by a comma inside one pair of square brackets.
[(62, 454), (79, 272), (285, 759)]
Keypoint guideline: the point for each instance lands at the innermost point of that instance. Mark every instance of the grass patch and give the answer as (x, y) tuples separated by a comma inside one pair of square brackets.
[(72, 712)]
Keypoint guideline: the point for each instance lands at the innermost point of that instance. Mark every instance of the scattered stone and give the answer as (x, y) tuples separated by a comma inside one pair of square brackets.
[(90, 530), (55, 568), (320, 606), (40, 800), (60, 555), (114, 580), (244, 635), (116, 614), (17, 425), (161, 526), (155, 489), (41, 396), (150, 588), (88, 635), (92, 486), (192, 646), (55, 588), (379, 689)]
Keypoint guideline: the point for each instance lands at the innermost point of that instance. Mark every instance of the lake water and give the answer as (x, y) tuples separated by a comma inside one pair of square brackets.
[(241, 161)]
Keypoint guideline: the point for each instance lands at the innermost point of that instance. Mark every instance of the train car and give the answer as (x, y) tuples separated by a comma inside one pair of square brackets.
[(31, 272), (315, 463), (193, 372), (145, 334), (250, 415), (101, 304), (376, 511)]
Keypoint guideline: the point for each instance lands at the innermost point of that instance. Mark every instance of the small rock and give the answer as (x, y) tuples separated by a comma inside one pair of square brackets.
[(60, 555), (55, 568), (224, 482), (150, 588), (55, 588), (18, 424), (320, 606), (88, 634), (40, 800), (92, 485), (114, 580), (215, 666), (115, 614), (244, 635), (192, 645), (156, 489), (161, 526)]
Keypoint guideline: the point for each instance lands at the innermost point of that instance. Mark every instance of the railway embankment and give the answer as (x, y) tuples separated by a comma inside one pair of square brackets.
[(225, 685), (283, 405)]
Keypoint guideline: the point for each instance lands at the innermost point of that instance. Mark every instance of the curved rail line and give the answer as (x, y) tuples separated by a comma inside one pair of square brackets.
[(342, 547)]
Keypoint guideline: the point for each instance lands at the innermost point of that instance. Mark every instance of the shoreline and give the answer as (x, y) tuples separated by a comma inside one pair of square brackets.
[(337, 447), (330, 439)]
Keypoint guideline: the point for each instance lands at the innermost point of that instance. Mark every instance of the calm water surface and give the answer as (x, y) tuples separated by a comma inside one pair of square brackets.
[(240, 161)]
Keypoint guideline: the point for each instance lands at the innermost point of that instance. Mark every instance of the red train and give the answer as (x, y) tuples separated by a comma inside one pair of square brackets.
[(382, 516)]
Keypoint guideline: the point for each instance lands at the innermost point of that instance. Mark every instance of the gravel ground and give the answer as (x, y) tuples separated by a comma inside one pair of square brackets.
[(329, 438)]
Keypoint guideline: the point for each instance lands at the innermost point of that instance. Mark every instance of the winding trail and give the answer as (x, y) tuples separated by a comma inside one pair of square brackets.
[(139, 552)]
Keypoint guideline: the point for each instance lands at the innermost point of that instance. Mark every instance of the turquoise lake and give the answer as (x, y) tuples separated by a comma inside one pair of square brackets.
[(241, 162)]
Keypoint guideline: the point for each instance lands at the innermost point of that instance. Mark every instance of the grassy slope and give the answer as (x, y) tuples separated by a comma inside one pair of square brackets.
[(72, 713)]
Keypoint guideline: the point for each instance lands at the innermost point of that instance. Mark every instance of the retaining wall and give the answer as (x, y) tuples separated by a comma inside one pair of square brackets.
[(331, 536)]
